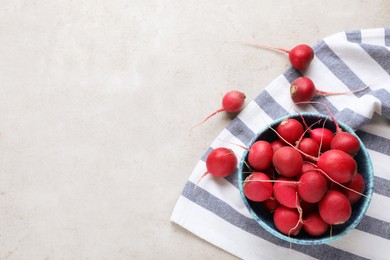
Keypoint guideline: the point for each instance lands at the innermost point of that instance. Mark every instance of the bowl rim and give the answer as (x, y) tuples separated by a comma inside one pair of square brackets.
[(314, 240)]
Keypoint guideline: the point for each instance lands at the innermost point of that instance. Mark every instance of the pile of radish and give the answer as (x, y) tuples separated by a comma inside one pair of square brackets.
[(305, 176), (301, 173)]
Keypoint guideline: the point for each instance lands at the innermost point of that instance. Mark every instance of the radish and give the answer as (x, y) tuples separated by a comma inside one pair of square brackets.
[(314, 225), (260, 155), (346, 142), (277, 144), (303, 90), (290, 130), (285, 191), (338, 165), (221, 162), (356, 184), (271, 204), (312, 186), (287, 161), (335, 208), (323, 137), (308, 166), (287, 220), (309, 146), (256, 189), (232, 102), (300, 56)]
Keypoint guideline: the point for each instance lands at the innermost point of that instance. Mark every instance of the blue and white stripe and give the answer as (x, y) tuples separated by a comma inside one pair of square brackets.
[(344, 61)]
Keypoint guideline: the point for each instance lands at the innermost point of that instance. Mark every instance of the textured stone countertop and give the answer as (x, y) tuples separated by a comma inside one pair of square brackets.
[(96, 100)]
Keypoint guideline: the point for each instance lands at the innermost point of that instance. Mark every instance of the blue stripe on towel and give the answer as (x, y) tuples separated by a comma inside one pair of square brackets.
[(351, 118), (382, 186), (375, 226), (380, 54), (375, 142), (240, 131), (338, 67), (268, 104), (226, 212), (292, 74), (387, 36), (384, 96), (354, 36)]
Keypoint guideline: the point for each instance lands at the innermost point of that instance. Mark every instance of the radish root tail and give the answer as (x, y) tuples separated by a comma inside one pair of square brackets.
[(197, 183), (207, 118)]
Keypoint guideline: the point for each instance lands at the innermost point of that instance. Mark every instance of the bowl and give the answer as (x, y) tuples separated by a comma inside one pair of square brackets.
[(265, 219)]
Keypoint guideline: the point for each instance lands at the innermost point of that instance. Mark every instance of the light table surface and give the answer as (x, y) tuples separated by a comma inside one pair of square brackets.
[(96, 100)]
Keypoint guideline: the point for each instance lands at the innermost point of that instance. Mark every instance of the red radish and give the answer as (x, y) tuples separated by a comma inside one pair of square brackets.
[(314, 225), (256, 189), (232, 102), (287, 220), (323, 136), (271, 204), (357, 184), (285, 191), (309, 146), (312, 186), (335, 208), (338, 165), (303, 90), (287, 161), (300, 56), (308, 166), (277, 144), (290, 130), (221, 162), (346, 142), (260, 155)]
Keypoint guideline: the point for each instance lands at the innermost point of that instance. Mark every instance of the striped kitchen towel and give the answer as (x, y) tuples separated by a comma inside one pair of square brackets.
[(343, 61)]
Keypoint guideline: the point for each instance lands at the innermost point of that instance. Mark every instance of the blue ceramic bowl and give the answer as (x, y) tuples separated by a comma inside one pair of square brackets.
[(265, 219)]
